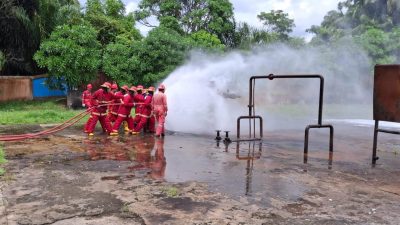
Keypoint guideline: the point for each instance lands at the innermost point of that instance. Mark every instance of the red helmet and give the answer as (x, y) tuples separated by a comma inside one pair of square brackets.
[(89, 86), (106, 85), (161, 87), (151, 89), (114, 86), (126, 88), (133, 88), (139, 87)]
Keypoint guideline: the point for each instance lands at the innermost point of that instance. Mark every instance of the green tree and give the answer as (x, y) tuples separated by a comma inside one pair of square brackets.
[(373, 24), (277, 21), (71, 54), (213, 16), (158, 55), (110, 21), (114, 8), (119, 61), (23, 25), (380, 45), (2, 60), (206, 41), (248, 36)]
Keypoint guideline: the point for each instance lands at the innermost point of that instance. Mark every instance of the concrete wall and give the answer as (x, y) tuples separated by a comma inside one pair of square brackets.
[(15, 88)]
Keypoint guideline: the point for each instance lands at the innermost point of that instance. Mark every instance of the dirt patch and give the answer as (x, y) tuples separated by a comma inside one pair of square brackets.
[(70, 179)]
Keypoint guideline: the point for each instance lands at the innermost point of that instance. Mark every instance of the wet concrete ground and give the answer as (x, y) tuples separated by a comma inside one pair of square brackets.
[(68, 178)]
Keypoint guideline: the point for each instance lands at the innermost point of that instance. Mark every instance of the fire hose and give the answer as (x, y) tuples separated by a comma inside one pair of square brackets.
[(54, 129)]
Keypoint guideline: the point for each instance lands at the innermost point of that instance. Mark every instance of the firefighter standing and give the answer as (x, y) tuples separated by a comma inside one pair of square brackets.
[(145, 112), (86, 102), (138, 98), (118, 97), (160, 109), (87, 96), (124, 112), (99, 112)]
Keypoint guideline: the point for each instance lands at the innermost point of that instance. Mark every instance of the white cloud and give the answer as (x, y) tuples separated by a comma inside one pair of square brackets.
[(304, 12), (131, 6)]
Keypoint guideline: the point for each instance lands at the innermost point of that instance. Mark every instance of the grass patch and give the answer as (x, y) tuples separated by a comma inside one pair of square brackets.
[(2, 161), (35, 112), (171, 192)]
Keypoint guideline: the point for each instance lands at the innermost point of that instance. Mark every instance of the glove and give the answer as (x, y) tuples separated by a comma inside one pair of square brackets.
[(83, 105)]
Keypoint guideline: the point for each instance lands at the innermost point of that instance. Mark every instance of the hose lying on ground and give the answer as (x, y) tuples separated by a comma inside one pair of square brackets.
[(52, 130)]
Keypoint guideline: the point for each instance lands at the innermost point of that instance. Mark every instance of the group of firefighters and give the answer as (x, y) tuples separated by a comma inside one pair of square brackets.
[(112, 107)]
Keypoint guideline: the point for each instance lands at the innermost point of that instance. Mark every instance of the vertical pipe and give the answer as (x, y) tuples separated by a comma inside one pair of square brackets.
[(331, 130), (250, 102), (254, 109), (374, 158), (306, 134), (238, 128), (321, 99), (250, 94)]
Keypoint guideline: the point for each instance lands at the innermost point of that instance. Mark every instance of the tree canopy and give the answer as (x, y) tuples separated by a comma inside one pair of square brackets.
[(74, 43), (213, 16), (373, 24), (71, 54)]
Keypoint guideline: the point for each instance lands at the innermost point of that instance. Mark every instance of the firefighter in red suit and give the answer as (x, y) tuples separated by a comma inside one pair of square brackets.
[(138, 98), (160, 109), (124, 112), (100, 97), (118, 97), (87, 96), (145, 111), (114, 90), (86, 100), (151, 121)]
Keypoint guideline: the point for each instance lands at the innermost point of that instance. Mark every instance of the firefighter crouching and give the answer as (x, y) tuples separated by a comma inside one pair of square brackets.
[(99, 109), (124, 112)]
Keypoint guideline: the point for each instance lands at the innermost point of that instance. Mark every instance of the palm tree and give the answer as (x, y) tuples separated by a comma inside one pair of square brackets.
[(23, 24)]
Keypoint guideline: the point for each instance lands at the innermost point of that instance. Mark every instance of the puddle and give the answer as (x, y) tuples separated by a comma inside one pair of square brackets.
[(259, 173)]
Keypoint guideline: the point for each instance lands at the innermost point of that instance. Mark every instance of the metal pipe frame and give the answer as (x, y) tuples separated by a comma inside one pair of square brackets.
[(238, 128), (320, 105), (254, 156), (375, 145)]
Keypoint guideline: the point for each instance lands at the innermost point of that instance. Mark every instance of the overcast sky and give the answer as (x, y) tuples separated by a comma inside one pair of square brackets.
[(304, 12)]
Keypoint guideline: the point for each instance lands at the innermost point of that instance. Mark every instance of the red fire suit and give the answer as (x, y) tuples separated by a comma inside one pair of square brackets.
[(113, 110), (86, 102), (138, 99), (124, 112), (86, 98), (145, 113), (160, 109), (100, 97)]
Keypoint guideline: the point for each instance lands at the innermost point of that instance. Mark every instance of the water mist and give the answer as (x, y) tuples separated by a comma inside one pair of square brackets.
[(210, 91)]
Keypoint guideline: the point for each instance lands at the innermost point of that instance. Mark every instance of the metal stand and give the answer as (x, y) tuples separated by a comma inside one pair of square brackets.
[(252, 115), (376, 130)]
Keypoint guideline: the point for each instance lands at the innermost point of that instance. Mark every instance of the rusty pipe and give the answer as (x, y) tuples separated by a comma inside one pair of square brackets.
[(272, 76)]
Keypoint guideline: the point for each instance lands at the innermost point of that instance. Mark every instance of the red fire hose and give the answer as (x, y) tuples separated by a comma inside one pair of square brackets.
[(52, 130)]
